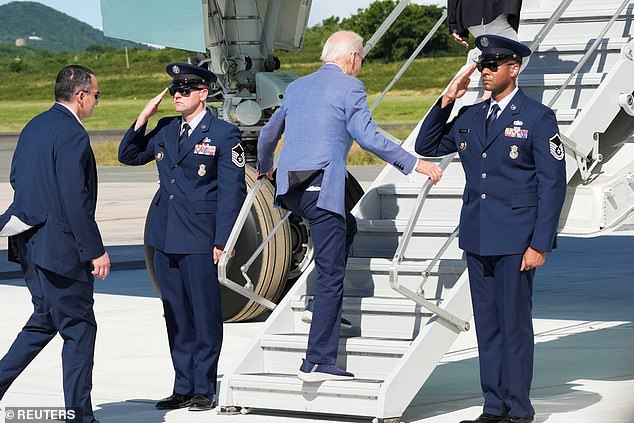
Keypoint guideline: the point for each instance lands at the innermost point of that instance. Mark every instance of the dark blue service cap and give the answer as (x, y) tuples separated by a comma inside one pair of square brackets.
[(496, 47), (186, 73)]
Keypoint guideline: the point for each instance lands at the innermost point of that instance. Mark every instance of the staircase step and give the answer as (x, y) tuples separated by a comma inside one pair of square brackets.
[(543, 88), (287, 392), (398, 201), (592, 11), (371, 277), (367, 358), (380, 238), (373, 317)]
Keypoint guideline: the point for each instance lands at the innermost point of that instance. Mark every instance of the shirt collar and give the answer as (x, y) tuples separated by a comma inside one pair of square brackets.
[(72, 111), (504, 102), (195, 121), (337, 65)]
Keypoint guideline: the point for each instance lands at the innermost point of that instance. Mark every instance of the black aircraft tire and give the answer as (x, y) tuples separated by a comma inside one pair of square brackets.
[(268, 272)]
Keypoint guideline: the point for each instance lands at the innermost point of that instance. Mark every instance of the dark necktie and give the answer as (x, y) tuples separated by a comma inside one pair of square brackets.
[(492, 117), (183, 136)]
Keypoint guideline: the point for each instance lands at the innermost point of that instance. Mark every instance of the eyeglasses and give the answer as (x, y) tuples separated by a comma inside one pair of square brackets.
[(361, 56), (184, 91), (491, 65), (97, 94)]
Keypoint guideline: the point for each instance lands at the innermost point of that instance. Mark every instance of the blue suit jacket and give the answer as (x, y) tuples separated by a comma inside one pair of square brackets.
[(54, 177), (320, 116), (516, 177), (201, 188)]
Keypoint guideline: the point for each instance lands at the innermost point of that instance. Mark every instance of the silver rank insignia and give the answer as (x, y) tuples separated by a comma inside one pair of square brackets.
[(484, 41), (201, 170), (237, 155), (463, 146), (176, 69), (159, 156), (513, 107), (514, 154), (556, 147)]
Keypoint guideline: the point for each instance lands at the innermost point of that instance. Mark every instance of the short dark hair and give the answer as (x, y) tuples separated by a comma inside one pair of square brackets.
[(70, 80)]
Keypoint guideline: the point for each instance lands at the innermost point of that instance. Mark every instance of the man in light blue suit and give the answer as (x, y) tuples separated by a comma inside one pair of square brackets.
[(320, 116)]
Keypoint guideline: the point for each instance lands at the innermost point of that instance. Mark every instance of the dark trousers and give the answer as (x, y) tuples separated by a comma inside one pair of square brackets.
[(60, 305), (332, 236), (193, 316), (502, 307)]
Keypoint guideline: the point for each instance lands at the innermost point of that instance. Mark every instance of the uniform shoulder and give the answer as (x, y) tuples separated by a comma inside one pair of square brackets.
[(536, 105), (164, 121), (227, 128)]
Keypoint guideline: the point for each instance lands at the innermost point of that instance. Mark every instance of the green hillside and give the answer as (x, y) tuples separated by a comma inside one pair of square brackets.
[(50, 29)]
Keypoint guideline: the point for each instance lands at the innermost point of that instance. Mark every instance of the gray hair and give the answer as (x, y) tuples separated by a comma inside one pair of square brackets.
[(339, 46)]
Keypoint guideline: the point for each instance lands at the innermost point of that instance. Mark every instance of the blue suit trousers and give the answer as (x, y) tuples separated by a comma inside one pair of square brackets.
[(502, 308), (193, 316), (332, 236), (60, 305)]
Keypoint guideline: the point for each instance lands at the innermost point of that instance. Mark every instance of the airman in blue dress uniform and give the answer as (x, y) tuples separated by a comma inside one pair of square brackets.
[(513, 159), (201, 162)]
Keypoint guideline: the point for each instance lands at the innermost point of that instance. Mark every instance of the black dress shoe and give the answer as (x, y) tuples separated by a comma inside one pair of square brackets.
[(202, 403), (511, 419), (486, 418), (174, 401)]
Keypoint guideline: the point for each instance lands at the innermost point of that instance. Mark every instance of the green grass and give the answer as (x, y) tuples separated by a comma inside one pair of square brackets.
[(119, 114)]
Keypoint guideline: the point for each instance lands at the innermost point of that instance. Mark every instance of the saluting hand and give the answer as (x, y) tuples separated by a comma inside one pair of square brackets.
[(101, 266), (430, 169), (149, 110), (458, 86), (532, 258)]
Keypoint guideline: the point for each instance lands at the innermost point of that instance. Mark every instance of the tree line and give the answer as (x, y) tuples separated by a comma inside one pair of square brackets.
[(398, 43)]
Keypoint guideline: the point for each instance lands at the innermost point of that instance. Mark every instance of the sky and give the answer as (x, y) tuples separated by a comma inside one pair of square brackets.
[(89, 11)]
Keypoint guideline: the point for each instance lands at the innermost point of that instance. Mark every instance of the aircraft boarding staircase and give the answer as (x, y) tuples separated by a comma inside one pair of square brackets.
[(406, 287)]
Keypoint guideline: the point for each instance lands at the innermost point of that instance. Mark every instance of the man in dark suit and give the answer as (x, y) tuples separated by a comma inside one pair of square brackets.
[(320, 116), (201, 162), (478, 17), (52, 229), (514, 163)]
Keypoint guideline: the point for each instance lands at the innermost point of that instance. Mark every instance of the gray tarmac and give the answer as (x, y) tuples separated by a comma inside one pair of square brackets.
[(583, 316)]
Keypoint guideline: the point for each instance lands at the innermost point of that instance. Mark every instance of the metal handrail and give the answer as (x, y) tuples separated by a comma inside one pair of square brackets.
[(374, 39), (245, 267), (409, 61), (230, 245), (549, 24), (590, 51), (460, 324), (420, 291)]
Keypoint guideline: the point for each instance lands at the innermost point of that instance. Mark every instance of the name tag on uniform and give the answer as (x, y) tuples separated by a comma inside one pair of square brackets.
[(205, 149), (463, 130), (516, 132)]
